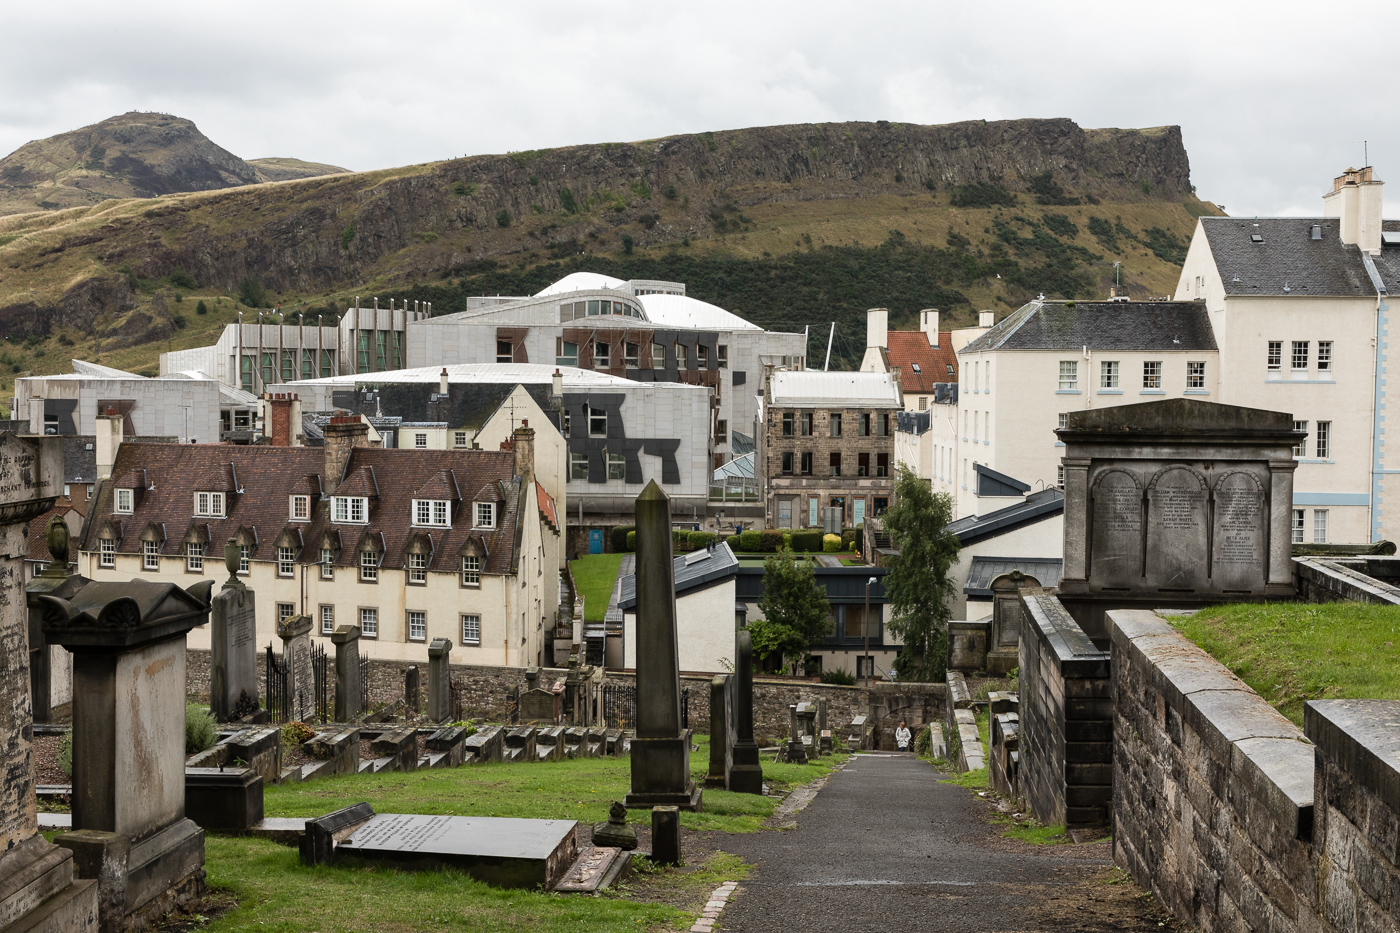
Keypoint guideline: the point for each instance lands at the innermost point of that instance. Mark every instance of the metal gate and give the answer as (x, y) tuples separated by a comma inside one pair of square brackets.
[(620, 705), (685, 708), (364, 683), (321, 682), (275, 687)]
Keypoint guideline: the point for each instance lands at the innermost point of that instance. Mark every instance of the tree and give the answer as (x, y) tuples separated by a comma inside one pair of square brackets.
[(252, 293), (796, 612), (917, 585)]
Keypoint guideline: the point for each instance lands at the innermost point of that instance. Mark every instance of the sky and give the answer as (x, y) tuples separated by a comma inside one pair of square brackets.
[(1274, 99)]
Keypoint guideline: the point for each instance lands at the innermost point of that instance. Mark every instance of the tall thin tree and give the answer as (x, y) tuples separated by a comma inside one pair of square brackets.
[(918, 586)]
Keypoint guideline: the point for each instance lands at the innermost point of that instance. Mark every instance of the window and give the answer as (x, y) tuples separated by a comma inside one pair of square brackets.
[(1275, 354), (471, 570), (1196, 375), (194, 558), (1324, 440), (106, 552), (269, 371), (566, 353), (682, 356), (351, 510), (505, 353), (381, 350), (327, 564), (124, 499), (835, 464), (1300, 517), (369, 622), (658, 356), (308, 364), (471, 630), (486, 515), (1152, 374), (617, 466), (835, 424), (882, 464), (806, 463), (721, 431), (806, 424), (1060, 476), (459, 438), (286, 561), (1300, 449), (1108, 374), (1069, 375), (369, 566), (631, 355), (702, 356), (578, 466), (885, 424), (1324, 356), (301, 509), (327, 363), (863, 425), (863, 464), (433, 512), (285, 611), (597, 422), (722, 355), (417, 626), (923, 403), (602, 355), (150, 555), (1319, 526), (1300, 355), (209, 504), (246, 373), (420, 441), (1064, 420), (289, 364), (243, 555), (787, 463)]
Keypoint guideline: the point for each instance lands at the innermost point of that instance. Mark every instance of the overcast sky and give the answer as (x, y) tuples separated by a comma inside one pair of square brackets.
[(1273, 99)]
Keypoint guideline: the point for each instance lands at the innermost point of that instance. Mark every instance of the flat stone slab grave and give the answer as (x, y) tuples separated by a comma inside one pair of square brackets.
[(508, 853)]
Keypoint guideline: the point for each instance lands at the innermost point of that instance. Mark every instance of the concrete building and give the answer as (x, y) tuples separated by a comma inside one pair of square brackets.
[(827, 447), (410, 545), (1300, 307)]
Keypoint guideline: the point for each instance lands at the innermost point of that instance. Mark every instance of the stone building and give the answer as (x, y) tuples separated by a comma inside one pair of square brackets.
[(410, 545), (827, 447)]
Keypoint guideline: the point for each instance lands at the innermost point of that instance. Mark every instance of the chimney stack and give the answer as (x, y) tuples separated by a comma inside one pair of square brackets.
[(1355, 199), (281, 418), (110, 430), (986, 318), (523, 443), (558, 384), (344, 433), (928, 323), (442, 382), (877, 328)]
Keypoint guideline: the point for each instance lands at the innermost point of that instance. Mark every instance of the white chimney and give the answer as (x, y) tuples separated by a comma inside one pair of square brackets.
[(442, 382), (928, 323), (558, 383), (986, 318), (877, 325), (1355, 199), (109, 439), (36, 415)]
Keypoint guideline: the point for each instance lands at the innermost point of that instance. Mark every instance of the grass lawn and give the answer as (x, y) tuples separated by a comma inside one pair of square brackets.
[(1290, 653), (594, 575)]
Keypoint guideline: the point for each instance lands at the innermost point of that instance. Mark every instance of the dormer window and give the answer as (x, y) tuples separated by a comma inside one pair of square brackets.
[(485, 514), (209, 505), (432, 512), (106, 552), (243, 553), (125, 500), (351, 510), (471, 570), (300, 509), (459, 439)]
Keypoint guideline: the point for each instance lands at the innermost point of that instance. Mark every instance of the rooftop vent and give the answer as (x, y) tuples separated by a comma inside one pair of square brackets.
[(1256, 238), (916, 368), (1317, 231), (1390, 238)]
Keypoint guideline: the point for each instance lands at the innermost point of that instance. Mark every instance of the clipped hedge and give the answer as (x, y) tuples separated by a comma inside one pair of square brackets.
[(700, 539), (806, 540), (618, 537), (770, 540), (831, 544), (734, 542), (750, 540), (630, 542)]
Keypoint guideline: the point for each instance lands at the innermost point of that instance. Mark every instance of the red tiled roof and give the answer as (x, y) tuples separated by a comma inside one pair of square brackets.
[(910, 347), (38, 547), (547, 509)]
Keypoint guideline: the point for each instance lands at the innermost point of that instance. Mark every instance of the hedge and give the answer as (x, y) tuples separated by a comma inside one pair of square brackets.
[(618, 536), (750, 541), (831, 543), (806, 540), (699, 539), (770, 540), (733, 542), (631, 541)]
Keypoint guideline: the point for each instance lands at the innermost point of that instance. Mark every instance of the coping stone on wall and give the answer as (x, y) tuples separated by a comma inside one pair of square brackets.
[(1077, 655), (1363, 738)]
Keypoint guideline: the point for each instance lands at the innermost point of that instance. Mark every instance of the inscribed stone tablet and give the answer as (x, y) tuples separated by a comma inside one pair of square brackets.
[(1177, 540), (1238, 552), (459, 835), (1116, 514)]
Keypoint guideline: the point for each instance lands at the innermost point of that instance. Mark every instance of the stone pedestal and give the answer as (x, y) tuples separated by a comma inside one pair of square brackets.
[(719, 730), (349, 692), (661, 750), (796, 750), (233, 651), (295, 633), (743, 771), (666, 835), (440, 680), (412, 683)]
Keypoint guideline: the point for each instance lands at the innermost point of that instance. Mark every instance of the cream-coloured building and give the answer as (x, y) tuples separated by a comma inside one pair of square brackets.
[(705, 611), (1300, 307)]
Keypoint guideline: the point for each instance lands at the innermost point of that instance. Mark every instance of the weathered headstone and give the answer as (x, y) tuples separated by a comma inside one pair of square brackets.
[(35, 876), (719, 730), (807, 714), (661, 750), (50, 667), (411, 684), (520, 744), (295, 632), (666, 835), (1003, 655), (233, 646), (823, 730), (539, 706), (348, 689), (440, 680), (796, 750), (860, 733), (743, 771)]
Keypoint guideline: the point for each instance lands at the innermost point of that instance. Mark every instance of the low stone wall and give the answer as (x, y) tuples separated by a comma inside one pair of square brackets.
[(1066, 718), (1213, 788), (1329, 580)]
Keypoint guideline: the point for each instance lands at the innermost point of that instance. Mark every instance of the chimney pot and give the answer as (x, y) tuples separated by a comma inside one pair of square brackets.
[(986, 318)]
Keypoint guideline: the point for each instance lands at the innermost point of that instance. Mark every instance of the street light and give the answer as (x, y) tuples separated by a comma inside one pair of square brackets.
[(869, 664)]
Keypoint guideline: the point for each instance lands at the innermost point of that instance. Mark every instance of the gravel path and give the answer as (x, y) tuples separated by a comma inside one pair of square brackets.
[(886, 846)]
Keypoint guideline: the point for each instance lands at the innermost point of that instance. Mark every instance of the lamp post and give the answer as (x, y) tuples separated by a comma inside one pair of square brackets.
[(869, 662)]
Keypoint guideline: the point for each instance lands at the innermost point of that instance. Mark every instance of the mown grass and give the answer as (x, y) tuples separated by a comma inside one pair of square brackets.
[(594, 576), (1290, 653)]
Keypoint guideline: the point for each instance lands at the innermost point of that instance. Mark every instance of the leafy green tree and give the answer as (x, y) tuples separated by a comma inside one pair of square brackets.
[(796, 612), (252, 293), (503, 218), (917, 585)]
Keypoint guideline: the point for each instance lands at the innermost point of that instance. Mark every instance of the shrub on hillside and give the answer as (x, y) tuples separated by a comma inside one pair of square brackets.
[(750, 541), (618, 537), (251, 292), (831, 543), (980, 194), (181, 279), (770, 540), (201, 308)]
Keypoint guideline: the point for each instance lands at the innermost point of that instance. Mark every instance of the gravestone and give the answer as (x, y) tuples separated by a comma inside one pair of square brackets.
[(440, 680), (37, 879), (539, 706), (743, 771), (1175, 504), (823, 729), (295, 632), (233, 646), (1003, 655), (50, 667), (719, 730), (666, 835), (411, 683), (660, 750), (807, 717), (519, 744), (130, 830), (860, 733), (796, 749), (349, 693)]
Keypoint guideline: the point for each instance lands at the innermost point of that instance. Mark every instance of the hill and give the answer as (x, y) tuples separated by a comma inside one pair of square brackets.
[(788, 225), (134, 155)]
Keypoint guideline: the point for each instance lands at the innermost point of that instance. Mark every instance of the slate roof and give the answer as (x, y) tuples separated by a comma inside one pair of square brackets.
[(1033, 508), (267, 476), (80, 458), (789, 389), (909, 349), (694, 571), (984, 570), (1101, 325), (1288, 261)]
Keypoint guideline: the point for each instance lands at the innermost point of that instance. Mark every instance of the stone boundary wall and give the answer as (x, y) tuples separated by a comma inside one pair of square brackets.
[(484, 690), (1066, 718), (1212, 787), (1322, 580)]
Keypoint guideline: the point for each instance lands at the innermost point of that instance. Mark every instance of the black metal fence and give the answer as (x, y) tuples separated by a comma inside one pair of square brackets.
[(275, 688), (685, 708), (513, 706), (320, 674), (364, 682), (620, 705)]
